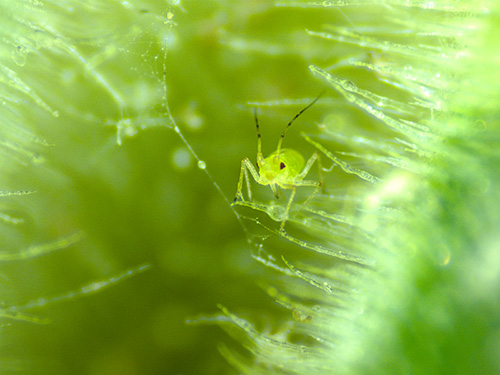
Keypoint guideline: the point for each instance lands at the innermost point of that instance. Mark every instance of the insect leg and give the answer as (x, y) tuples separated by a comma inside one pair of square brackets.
[(287, 210), (239, 194), (246, 165), (316, 184), (308, 166), (316, 191), (305, 171), (247, 180), (321, 174)]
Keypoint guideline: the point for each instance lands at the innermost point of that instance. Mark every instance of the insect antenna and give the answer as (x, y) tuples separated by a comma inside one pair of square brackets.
[(259, 138), (291, 122)]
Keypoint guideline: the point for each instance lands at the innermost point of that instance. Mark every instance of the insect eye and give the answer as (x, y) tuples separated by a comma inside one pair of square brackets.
[(282, 165)]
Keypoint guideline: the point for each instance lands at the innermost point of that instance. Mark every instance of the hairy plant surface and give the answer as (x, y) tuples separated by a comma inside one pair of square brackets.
[(123, 126)]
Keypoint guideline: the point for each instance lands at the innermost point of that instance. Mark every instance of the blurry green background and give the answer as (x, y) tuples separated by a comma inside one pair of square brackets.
[(101, 101)]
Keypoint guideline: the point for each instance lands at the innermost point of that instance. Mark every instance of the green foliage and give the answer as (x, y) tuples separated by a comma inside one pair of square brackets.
[(123, 126)]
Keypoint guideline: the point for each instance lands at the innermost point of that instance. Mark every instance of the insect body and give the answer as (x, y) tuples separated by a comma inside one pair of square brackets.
[(284, 168), (280, 169)]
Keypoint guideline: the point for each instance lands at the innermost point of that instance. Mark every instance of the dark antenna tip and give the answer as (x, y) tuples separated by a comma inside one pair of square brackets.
[(295, 117)]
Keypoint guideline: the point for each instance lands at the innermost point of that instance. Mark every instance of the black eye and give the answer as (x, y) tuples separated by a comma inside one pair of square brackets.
[(282, 165)]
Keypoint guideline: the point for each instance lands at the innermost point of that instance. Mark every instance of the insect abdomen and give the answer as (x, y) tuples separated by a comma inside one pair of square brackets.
[(292, 161)]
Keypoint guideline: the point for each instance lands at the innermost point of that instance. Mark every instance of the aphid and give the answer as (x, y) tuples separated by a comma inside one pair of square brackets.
[(284, 168)]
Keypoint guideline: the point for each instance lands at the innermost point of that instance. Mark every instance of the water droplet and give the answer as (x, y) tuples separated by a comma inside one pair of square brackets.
[(202, 164), (181, 158), (277, 213)]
